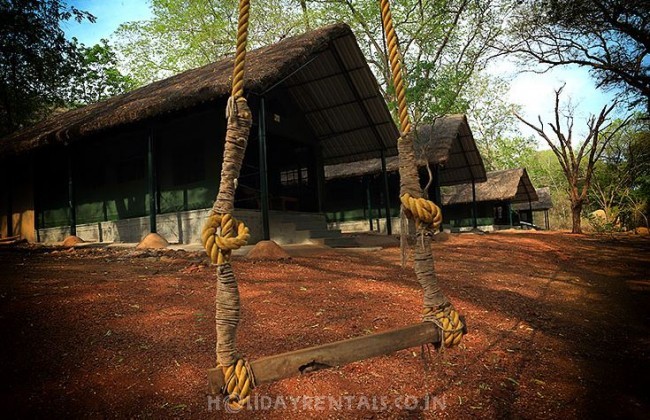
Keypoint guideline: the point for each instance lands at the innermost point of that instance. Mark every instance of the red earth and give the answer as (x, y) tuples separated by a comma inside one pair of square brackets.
[(558, 328)]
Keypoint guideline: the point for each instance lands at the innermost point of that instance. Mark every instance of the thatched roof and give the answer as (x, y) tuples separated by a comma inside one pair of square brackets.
[(448, 143), (315, 69), (508, 185), (543, 202)]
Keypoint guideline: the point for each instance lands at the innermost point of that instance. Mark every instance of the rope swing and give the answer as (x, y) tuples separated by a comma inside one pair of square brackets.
[(223, 233), (426, 214)]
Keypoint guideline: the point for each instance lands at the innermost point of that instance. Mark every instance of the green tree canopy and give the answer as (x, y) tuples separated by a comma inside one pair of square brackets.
[(36, 61), (96, 75), (444, 42)]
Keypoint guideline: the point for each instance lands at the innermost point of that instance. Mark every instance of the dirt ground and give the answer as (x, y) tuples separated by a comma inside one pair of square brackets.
[(558, 328)]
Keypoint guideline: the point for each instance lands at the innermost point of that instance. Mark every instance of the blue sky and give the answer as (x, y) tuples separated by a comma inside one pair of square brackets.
[(533, 91), (109, 13)]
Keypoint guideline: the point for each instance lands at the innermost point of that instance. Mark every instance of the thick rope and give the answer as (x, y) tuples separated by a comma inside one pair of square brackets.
[(396, 66), (240, 55), (448, 320), (222, 233), (239, 383), (426, 214)]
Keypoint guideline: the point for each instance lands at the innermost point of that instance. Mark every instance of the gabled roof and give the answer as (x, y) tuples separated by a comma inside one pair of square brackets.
[(543, 202), (448, 143), (324, 72), (508, 185)]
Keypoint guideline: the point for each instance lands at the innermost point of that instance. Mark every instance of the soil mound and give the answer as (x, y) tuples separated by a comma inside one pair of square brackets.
[(72, 240), (267, 250), (153, 241)]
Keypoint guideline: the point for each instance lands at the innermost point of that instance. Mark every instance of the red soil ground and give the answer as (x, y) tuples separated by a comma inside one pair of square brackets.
[(558, 329)]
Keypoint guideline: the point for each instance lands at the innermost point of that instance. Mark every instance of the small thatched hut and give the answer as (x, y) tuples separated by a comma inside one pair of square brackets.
[(488, 205), (536, 212), (356, 192), (149, 160)]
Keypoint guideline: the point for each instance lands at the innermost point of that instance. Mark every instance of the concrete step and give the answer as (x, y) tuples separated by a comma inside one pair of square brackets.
[(322, 233), (299, 217), (300, 236), (340, 242), (301, 227)]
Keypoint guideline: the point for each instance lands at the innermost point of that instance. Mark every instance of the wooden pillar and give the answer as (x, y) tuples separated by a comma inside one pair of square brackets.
[(369, 202), (509, 207), (389, 224), (72, 207), (36, 195), (9, 209), (264, 181), (151, 166), (320, 178), (474, 208), (437, 196)]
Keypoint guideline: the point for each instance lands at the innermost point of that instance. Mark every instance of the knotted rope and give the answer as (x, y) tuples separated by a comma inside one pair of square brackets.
[(222, 233), (448, 320), (426, 214), (239, 383)]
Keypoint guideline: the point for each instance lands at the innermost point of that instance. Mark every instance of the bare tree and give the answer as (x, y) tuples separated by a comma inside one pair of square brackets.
[(577, 161)]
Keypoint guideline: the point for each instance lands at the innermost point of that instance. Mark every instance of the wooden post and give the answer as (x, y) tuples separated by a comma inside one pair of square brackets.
[(437, 195), (320, 178), (509, 207), (369, 200), (151, 166), (264, 176), (9, 190), (474, 209), (72, 206), (389, 224), (285, 365)]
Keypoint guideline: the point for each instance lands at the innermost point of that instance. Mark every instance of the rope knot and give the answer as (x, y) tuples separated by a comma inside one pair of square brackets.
[(447, 319), (426, 214), (238, 112), (238, 383), (222, 234)]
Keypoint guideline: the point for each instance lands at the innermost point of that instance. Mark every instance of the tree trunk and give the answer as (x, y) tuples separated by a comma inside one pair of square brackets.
[(576, 210)]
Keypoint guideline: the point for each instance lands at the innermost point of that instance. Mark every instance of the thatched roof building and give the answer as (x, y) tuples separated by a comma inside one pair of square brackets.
[(154, 151), (323, 71), (448, 142), (511, 185), (543, 202)]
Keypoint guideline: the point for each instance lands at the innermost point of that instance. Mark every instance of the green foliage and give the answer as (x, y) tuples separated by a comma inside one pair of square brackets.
[(544, 171), (444, 42), (36, 61), (97, 76), (494, 125), (184, 34), (608, 224), (620, 186)]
